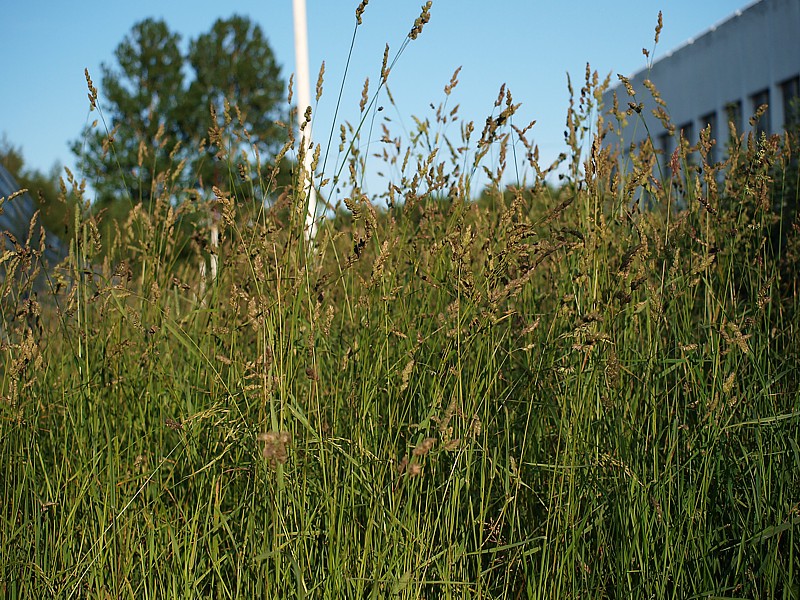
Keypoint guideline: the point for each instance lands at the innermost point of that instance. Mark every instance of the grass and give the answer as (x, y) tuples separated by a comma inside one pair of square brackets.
[(537, 393)]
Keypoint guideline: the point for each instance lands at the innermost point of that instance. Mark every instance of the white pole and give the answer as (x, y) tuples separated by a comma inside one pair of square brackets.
[(303, 90), (214, 245)]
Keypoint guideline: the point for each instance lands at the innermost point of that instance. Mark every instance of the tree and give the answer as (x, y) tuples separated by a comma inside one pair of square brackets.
[(142, 98), (233, 62), (157, 118)]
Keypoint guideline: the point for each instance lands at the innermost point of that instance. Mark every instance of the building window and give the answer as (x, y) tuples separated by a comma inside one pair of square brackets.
[(758, 100), (790, 90), (733, 113), (710, 120)]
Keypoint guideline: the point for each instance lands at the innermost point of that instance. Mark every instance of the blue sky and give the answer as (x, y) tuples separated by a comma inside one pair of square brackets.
[(529, 45)]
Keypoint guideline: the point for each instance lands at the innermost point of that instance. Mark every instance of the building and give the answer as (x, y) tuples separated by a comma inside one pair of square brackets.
[(15, 220), (750, 59)]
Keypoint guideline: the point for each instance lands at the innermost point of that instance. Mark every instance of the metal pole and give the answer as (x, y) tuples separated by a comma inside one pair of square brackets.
[(303, 91)]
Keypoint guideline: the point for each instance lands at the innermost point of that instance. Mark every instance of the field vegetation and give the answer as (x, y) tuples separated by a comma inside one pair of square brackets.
[(587, 389)]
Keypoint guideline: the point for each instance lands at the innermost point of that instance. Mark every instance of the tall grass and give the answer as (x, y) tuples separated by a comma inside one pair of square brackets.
[(537, 393)]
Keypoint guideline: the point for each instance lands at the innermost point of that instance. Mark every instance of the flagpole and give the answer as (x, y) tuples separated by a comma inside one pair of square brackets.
[(303, 91)]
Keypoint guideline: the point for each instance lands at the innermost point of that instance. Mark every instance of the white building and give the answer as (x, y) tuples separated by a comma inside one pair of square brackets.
[(724, 74)]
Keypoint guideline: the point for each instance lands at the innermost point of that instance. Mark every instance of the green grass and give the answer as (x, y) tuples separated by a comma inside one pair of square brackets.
[(535, 394)]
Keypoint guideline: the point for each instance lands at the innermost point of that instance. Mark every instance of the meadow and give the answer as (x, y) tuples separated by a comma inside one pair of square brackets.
[(587, 389)]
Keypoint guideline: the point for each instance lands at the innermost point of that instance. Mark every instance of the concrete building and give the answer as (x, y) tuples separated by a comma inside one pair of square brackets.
[(15, 220), (724, 74)]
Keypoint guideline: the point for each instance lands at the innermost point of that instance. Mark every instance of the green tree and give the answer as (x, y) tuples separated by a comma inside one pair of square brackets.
[(142, 98), (163, 108), (233, 63)]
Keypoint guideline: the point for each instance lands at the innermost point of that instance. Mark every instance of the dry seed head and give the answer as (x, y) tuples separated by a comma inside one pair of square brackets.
[(384, 64), (476, 426), (729, 382), (420, 22), (452, 444), (315, 157), (674, 162), (659, 26), (406, 375), (327, 321), (380, 262), (360, 10), (654, 92), (764, 295), (628, 87), (401, 466), (612, 368), (758, 114), (414, 469), (155, 292), (389, 93), (11, 196), (500, 95), (587, 76), (226, 111), (286, 147), (141, 153), (364, 95), (173, 424), (306, 118), (92, 90), (424, 447), (662, 116), (276, 445), (453, 82), (320, 79), (736, 337)]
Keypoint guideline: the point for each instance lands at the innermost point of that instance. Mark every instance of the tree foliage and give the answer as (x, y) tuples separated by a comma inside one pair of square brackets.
[(173, 120)]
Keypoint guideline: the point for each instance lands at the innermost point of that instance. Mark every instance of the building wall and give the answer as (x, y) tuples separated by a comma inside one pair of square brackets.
[(750, 58), (15, 219)]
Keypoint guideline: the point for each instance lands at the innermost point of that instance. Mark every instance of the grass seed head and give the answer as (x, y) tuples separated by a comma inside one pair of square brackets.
[(92, 90), (421, 21), (320, 80), (173, 424), (659, 26), (276, 446), (424, 446), (402, 465), (360, 10), (384, 64), (628, 87), (364, 95)]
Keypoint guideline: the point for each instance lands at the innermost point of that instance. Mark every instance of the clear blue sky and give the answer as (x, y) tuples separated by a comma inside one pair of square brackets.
[(528, 44)]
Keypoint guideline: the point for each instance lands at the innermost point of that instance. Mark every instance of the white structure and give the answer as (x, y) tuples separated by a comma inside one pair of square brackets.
[(749, 59), (304, 104)]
